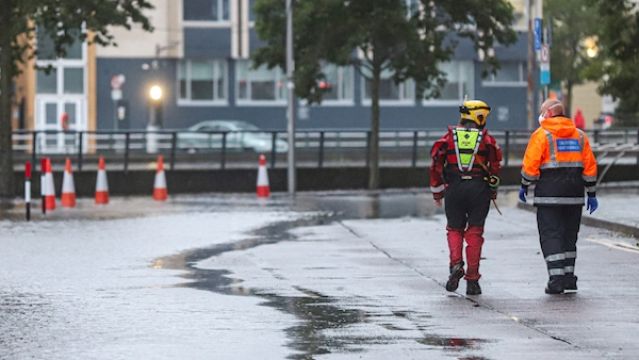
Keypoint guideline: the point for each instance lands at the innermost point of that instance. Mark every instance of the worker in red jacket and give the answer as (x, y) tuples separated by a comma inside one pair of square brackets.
[(465, 173)]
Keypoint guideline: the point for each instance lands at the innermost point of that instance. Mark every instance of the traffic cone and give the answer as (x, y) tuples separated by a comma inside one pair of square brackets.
[(68, 186), (263, 188), (160, 192), (102, 185), (49, 187)]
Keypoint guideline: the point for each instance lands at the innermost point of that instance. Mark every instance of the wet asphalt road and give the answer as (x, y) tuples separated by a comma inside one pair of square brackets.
[(327, 276)]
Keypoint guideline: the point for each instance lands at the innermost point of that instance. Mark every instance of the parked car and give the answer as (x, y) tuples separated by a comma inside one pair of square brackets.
[(240, 135)]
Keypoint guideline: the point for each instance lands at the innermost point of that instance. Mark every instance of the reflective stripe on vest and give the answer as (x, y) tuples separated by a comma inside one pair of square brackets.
[(467, 143)]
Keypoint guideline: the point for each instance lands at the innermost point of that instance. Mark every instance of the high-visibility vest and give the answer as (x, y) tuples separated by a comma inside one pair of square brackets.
[(560, 161)]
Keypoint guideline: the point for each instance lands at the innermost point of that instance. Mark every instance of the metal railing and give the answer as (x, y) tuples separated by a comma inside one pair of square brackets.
[(326, 147)]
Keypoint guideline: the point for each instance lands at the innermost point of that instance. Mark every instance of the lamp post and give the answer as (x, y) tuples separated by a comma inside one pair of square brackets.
[(155, 94), (290, 71)]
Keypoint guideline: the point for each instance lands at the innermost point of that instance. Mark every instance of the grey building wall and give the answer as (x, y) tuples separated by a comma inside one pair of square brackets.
[(508, 103)]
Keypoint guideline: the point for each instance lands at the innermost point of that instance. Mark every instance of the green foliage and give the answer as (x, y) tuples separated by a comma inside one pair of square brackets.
[(64, 22), (618, 66), (376, 35), (572, 22), (61, 20)]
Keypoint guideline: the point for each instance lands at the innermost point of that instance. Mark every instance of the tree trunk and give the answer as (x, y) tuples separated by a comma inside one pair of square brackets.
[(373, 155), (7, 189), (568, 101)]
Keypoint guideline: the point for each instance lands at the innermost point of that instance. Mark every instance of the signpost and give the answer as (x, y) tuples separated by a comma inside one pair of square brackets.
[(116, 95), (538, 33), (544, 66)]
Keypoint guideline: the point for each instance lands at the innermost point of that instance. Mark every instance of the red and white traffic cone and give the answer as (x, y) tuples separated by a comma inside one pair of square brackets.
[(68, 186), (49, 187), (160, 192), (263, 188), (102, 184)]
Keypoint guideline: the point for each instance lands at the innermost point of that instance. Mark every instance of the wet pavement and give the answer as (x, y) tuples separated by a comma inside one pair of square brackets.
[(325, 276)]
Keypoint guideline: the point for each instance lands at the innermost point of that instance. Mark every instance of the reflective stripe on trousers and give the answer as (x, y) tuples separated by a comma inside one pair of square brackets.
[(555, 263), (569, 263), (550, 200)]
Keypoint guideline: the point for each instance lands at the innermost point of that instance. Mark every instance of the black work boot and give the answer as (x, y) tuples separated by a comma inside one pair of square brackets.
[(570, 282), (456, 273), (473, 288), (555, 285)]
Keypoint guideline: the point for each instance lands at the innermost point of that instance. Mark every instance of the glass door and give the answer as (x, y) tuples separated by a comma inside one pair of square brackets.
[(59, 119), (61, 97)]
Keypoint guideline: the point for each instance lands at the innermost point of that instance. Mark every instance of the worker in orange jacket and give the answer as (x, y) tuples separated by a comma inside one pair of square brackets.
[(561, 164), (464, 173)]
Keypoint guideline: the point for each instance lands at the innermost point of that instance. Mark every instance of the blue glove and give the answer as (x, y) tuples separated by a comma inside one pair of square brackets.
[(523, 192), (592, 204)]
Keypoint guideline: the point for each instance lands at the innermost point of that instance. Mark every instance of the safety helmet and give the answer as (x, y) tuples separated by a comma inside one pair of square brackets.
[(476, 111)]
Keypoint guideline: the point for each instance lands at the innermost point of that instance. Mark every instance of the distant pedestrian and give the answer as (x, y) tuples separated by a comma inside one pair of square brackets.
[(464, 172), (561, 163), (580, 121)]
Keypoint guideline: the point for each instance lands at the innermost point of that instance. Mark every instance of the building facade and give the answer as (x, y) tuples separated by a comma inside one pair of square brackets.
[(199, 56)]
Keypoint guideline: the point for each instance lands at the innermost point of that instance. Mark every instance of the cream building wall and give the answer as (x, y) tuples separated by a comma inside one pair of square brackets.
[(137, 43), (586, 98)]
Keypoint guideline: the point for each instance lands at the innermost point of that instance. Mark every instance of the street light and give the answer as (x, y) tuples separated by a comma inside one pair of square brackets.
[(592, 49), (156, 94)]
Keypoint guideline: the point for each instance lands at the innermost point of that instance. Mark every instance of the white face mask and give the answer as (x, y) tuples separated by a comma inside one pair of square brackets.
[(540, 118)]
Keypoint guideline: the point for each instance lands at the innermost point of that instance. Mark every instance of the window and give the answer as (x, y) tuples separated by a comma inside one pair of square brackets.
[(202, 80), (389, 91), (206, 10), (47, 83), (251, 11), (510, 73), (46, 47), (459, 82), (73, 80), (261, 84), (338, 83)]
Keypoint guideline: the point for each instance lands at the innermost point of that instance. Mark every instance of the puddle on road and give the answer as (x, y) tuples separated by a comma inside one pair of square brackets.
[(371, 206), (451, 342), (316, 311)]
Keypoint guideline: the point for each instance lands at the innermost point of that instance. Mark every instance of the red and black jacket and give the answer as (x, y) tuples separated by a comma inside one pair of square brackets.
[(444, 168)]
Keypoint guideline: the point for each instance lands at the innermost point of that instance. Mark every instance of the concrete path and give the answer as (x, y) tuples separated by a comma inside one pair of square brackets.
[(327, 276)]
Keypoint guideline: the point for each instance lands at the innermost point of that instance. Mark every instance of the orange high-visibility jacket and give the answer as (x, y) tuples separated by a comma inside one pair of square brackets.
[(560, 162)]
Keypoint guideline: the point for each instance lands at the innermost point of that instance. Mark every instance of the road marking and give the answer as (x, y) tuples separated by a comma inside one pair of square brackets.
[(615, 245), (476, 302)]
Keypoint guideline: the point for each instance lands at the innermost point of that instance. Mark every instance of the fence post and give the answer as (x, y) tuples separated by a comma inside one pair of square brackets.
[(223, 159), (507, 148), (320, 162), (637, 146), (127, 143), (80, 149), (273, 152), (34, 148), (414, 160), (173, 149)]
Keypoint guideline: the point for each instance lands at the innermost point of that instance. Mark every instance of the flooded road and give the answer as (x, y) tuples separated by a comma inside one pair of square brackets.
[(327, 276)]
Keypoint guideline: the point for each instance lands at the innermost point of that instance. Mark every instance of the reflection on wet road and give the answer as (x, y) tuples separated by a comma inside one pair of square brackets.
[(319, 314), (321, 276)]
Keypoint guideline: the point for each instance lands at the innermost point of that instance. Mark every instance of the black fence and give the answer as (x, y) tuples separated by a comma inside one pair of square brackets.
[(314, 148)]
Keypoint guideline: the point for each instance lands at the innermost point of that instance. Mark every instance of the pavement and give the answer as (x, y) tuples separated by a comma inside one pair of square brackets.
[(343, 275)]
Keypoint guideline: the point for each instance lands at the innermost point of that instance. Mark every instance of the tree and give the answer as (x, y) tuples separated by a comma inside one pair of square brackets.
[(574, 25), (618, 34), (407, 37), (65, 22)]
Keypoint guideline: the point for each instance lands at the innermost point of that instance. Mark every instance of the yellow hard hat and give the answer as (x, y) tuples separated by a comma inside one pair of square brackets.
[(476, 111)]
